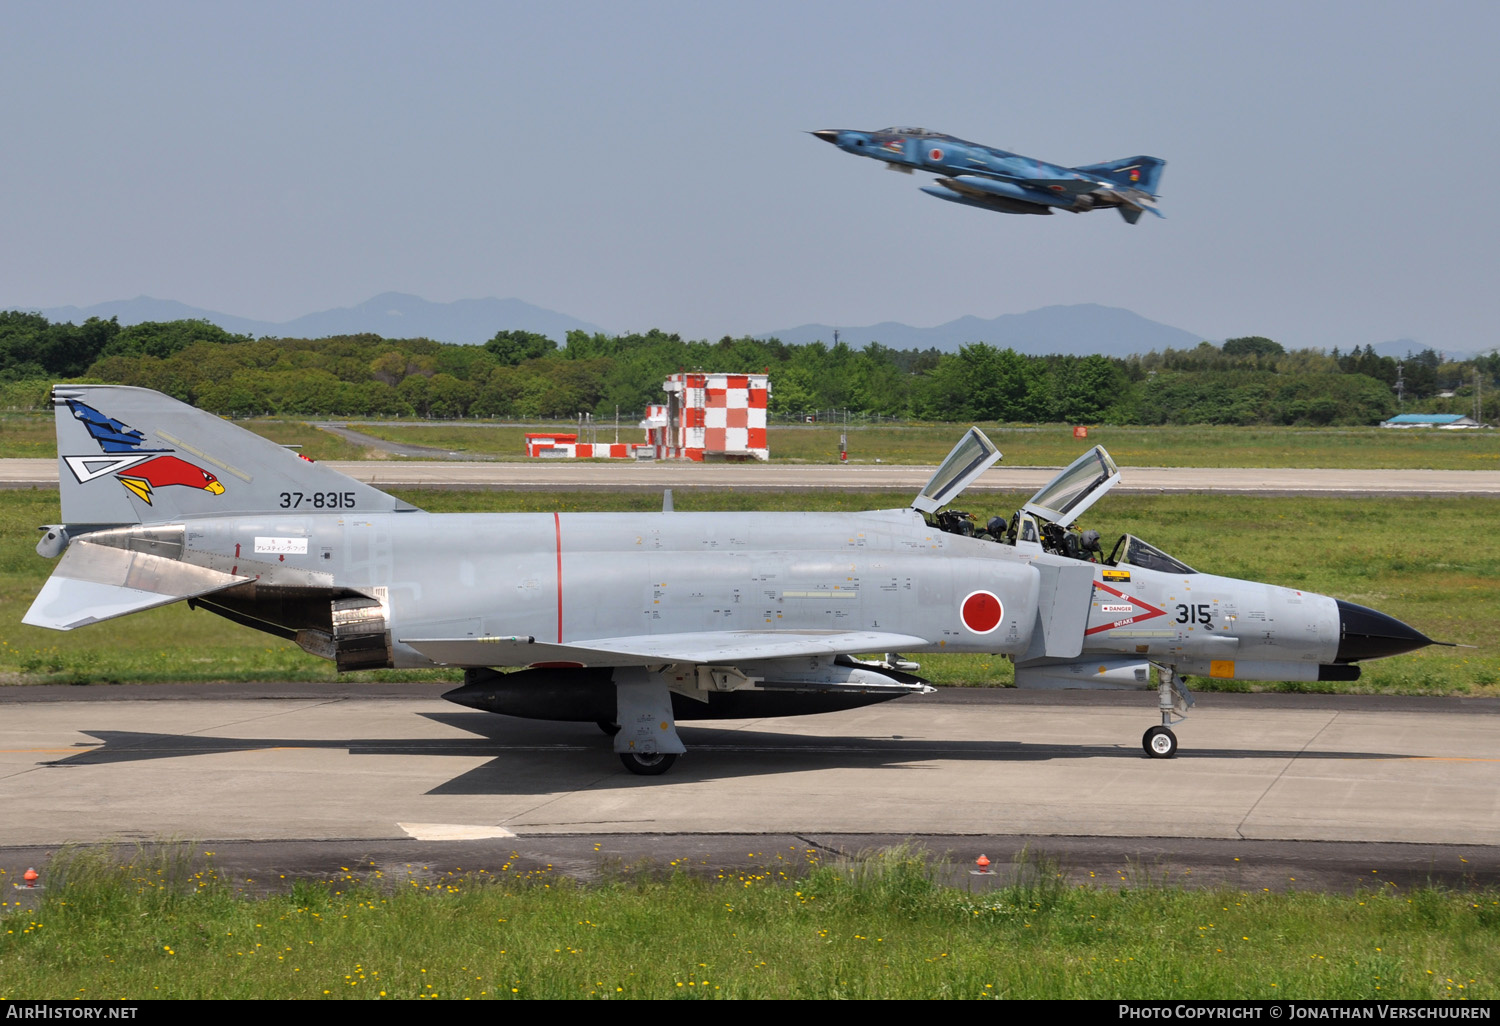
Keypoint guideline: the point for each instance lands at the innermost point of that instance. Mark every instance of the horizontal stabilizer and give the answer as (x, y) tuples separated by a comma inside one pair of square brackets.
[(696, 647), (1141, 172), (1134, 201), (100, 582)]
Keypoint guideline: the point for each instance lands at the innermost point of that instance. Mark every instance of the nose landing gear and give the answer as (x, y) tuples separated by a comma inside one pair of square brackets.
[(1174, 701), (1160, 742)]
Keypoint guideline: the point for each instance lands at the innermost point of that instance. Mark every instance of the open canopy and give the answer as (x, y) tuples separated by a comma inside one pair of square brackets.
[(972, 456), (1081, 484)]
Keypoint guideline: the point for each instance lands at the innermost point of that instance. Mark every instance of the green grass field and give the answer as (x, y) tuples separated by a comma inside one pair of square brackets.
[(873, 928), (33, 435), (1046, 445), (1433, 563), (1053, 445), (309, 441), (27, 435), (486, 441)]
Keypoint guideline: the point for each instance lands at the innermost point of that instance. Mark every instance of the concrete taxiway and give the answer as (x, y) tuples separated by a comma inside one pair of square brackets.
[(622, 476), (348, 769)]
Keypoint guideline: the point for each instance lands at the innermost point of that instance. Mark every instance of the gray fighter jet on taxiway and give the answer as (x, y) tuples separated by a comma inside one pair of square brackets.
[(637, 620), (982, 176)]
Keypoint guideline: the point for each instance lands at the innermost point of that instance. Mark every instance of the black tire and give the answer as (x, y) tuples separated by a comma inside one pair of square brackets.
[(652, 765), (1159, 743), (610, 729)]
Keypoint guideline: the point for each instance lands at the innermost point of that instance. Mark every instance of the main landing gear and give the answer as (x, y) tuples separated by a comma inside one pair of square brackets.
[(644, 731), (644, 764), (1174, 701)]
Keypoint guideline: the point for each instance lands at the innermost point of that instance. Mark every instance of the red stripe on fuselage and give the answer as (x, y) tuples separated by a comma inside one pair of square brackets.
[(557, 524)]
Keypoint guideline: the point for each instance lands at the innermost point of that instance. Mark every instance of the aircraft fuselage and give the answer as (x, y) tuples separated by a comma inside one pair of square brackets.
[(565, 577), (636, 619)]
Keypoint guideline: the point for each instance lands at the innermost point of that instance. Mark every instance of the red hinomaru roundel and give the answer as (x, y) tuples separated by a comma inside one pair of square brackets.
[(982, 612)]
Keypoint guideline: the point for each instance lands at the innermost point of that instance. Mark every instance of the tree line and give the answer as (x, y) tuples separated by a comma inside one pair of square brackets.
[(1249, 380)]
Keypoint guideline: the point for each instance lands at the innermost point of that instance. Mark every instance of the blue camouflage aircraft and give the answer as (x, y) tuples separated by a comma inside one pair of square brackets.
[(982, 176)]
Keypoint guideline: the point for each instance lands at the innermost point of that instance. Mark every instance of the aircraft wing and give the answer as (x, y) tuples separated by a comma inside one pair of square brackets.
[(1060, 186), (100, 582), (1057, 186), (696, 647)]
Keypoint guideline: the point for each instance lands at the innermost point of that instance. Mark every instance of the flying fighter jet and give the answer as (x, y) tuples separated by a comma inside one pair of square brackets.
[(982, 176), (637, 620)]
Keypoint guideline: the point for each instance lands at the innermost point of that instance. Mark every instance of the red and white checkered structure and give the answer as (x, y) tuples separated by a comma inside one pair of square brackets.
[(559, 445), (706, 416), (711, 416)]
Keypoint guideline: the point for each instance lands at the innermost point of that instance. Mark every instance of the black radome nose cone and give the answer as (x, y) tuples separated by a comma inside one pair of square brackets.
[(1366, 633), (828, 135)]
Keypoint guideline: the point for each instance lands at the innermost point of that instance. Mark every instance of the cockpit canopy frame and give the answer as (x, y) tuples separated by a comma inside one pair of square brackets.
[(1081, 484), (971, 457), (1132, 551)]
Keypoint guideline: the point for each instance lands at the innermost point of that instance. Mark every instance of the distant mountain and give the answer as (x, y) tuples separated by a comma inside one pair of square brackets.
[(1080, 330), (397, 315), (391, 314), (1401, 348), (144, 308)]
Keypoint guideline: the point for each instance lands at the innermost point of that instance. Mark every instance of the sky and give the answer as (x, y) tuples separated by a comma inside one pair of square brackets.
[(646, 164)]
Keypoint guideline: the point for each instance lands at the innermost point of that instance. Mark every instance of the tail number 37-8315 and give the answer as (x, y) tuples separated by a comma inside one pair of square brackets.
[(317, 500)]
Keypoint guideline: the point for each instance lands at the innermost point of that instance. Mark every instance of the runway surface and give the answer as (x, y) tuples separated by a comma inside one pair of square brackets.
[(1313, 791), (621, 476)]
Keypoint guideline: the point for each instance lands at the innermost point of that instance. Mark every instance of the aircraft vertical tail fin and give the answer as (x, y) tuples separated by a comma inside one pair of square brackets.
[(133, 456), (1130, 172)]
